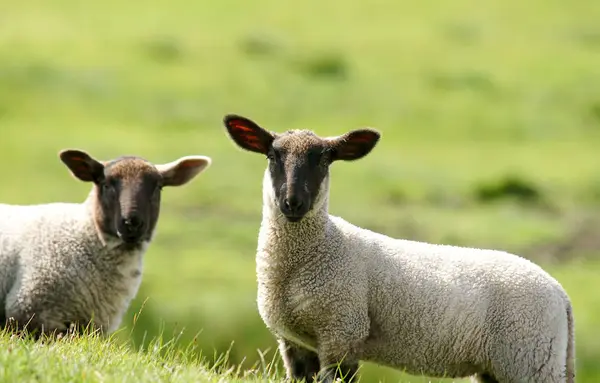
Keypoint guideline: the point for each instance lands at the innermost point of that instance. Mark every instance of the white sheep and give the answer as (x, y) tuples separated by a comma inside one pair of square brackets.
[(69, 264), (334, 294)]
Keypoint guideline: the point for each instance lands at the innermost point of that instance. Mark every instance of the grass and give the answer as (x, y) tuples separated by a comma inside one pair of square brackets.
[(469, 97), (91, 358)]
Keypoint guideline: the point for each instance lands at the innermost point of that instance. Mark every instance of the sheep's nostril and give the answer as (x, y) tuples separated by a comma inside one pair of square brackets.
[(133, 222), (293, 204)]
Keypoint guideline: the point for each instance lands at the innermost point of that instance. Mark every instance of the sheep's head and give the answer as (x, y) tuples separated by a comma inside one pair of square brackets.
[(299, 160), (128, 190)]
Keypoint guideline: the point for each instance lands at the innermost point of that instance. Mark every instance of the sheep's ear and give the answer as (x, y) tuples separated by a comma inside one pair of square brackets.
[(82, 165), (247, 134), (354, 144), (183, 170)]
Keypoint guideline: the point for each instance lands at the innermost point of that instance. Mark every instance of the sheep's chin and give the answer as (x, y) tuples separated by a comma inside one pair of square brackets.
[(130, 242), (293, 219)]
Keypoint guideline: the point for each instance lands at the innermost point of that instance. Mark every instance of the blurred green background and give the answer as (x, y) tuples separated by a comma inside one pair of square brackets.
[(490, 114)]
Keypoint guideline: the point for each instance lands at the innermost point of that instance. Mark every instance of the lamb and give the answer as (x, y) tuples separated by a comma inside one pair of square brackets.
[(334, 294), (79, 265)]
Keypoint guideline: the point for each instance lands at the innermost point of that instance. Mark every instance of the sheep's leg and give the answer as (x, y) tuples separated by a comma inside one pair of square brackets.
[(33, 325), (484, 378), (23, 326), (341, 339), (299, 362), (346, 371), (338, 358), (543, 362)]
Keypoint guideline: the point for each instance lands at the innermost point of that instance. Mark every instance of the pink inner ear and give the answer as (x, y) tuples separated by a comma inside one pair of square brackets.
[(363, 137), (350, 152), (240, 125), (186, 164), (247, 134), (250, 139), (253, 142), (189, 164), (80, 168)]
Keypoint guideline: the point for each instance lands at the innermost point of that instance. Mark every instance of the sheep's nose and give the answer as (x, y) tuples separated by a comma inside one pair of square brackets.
[(133, 222), (293, 204)]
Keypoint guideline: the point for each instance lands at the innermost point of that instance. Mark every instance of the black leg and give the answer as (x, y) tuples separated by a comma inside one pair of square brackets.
[(36, 330), (22, 328), (486, 378), (347, 372), (299, 362)]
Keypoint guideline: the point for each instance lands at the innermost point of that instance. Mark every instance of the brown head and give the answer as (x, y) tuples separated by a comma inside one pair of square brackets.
[(299, 160), (128, 189)]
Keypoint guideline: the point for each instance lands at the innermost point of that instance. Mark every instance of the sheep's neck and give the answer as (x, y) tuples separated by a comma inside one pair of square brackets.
[(283, 237), (97, 214)]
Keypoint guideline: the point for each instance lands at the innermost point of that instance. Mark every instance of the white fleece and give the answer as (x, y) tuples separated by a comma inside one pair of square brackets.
[(55, 264), (436, 310)]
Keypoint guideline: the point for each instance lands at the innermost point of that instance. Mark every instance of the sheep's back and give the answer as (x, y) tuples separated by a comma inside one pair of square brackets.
[(65, 270), (446, 302), (23, 226)]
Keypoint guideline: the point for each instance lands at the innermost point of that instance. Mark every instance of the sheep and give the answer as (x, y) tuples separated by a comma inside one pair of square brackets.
[(334, 294), (79, 265)]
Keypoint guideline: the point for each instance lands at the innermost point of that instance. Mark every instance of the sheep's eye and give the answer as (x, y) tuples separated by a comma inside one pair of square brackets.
[(270, 156), (107, 187)]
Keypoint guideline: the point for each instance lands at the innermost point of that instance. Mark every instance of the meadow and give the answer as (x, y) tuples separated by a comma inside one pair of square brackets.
[(490, 121)]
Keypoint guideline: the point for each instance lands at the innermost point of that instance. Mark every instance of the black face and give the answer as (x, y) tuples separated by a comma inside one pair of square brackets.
[(297, 172), (129, 194), (128, 190), (299, 160)]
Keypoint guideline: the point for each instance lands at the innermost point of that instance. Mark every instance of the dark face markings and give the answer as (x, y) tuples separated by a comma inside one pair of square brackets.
[(129, 196), (298, 163), (127, 190), (298, 159)]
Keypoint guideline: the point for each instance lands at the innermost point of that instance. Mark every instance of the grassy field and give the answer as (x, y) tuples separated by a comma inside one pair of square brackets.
[(490, 115), (92, 359)]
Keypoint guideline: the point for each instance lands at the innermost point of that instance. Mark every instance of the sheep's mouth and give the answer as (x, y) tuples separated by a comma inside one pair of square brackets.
[(130, 239), (294, 217)]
